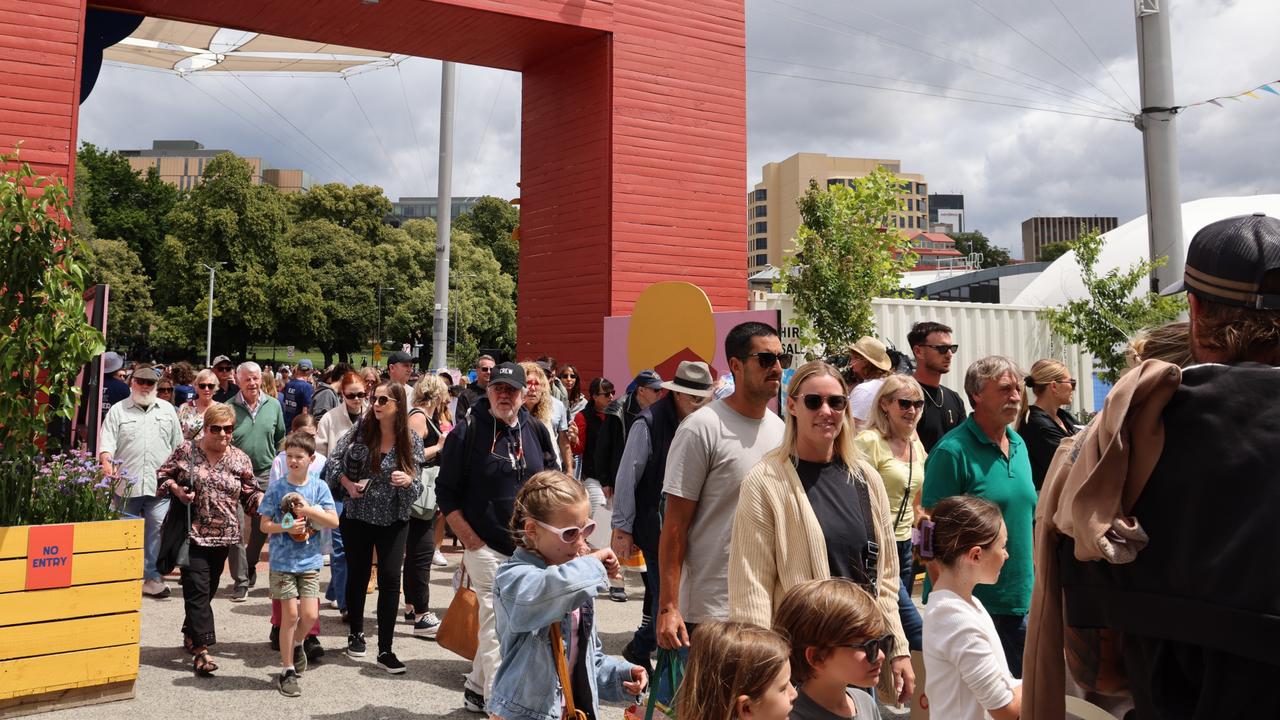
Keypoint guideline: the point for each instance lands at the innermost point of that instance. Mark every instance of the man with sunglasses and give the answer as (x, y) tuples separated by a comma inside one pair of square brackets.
[(138, 435), (638, 491), (475, 392), (711, 453), (486, 459), (227, 389), (943, 407)]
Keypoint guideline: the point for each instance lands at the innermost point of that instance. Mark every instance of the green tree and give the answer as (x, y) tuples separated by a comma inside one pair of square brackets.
[(976, 242), (114, 263), (490, 224), (1114, 310), (846, 253), (123, 203), (1054, 250), (360, 209)]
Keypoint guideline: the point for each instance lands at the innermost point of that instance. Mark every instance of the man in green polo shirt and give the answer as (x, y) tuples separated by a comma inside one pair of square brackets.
[(984, 457)]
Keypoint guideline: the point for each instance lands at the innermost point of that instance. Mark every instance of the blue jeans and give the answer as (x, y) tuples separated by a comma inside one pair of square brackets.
[(1012, 630), (337, 590), (912, 625), (152, 510)]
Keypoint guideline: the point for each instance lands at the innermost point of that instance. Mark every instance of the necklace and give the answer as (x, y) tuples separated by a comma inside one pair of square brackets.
[(942, 395)]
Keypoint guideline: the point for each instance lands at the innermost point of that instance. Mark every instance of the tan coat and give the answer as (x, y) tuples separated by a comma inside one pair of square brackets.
[(1090, 489), (778, 544)]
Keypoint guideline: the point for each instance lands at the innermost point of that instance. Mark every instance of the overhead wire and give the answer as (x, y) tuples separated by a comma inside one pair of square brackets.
[(413, 127), (291, 124), (1041, 48), (1089, 47), (475, 159), (832, 25), (377, 138), (937, 95)]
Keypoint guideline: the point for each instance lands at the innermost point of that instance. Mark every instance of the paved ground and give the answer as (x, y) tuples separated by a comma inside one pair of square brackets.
[(336, 688)]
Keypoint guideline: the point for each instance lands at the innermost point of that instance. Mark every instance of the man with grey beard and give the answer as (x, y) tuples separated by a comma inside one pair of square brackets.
[(138, 435), (985, 458)]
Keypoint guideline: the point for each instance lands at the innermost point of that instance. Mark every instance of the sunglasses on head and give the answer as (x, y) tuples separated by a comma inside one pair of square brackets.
[(381, 400), (355, 396), (769, 359), (142, 381), (944, 349), (570, 534), (220, 429), (906, 404), (873, 647), (208, 386), (814, 401)]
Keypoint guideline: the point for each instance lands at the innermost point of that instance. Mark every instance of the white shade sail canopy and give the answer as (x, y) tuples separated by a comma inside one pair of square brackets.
[(1127, 244), (186, 48)]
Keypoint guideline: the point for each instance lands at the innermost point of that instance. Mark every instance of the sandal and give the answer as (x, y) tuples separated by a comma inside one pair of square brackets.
[(202, 664), (189, 644)]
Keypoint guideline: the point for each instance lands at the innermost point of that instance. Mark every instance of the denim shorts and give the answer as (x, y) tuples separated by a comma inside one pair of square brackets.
[(287, 585)]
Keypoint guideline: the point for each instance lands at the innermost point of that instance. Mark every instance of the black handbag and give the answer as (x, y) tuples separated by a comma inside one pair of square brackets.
[(175, 534)]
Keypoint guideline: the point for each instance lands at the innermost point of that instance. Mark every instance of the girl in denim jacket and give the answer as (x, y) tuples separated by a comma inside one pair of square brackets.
[(553, 578)]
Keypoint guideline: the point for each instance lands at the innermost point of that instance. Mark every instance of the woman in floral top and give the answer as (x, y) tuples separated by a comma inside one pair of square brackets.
[(216, 480), (191, 415), (374, 469)]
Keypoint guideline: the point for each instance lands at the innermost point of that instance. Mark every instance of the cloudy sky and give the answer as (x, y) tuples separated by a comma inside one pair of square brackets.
[(807, 61)]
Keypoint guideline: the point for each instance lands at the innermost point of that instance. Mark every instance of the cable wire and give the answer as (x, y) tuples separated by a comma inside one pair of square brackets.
[(263, 100), (1132, 102), (374, 130), (475, 160), (413, 127)]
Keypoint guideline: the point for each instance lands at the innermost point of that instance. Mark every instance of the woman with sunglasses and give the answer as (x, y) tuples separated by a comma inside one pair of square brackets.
[(589, 425), (574, 405), (191, 415), (1045, 423), (891, 446), (338, 421), (813, 509), (376, 467), (212, 476)]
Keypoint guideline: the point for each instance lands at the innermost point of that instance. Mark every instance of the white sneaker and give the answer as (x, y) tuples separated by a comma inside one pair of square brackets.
[(438, 559), (155, 588)]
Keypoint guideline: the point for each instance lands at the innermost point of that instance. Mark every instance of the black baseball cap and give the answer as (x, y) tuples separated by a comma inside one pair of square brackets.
[(1228, 261), (399, 356), (508, 373)]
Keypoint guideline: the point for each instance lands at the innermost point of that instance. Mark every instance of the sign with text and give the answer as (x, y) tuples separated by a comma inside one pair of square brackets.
[(49, 550)]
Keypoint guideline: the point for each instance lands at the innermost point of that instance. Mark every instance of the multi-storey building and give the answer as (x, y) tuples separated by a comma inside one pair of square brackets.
[(181, 163), (418, 208), (946, 213), (1040, 231)]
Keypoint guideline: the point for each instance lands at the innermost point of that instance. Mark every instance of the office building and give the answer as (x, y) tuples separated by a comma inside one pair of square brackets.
[(181, 163), (417, 208), (946, 213), (772, 214), (1040, 231)]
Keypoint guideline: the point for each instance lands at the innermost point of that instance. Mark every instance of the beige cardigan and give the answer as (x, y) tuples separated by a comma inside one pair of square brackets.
[(777, 544)]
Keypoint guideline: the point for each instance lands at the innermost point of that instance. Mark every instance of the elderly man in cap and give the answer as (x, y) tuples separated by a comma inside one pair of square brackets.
[(486, 459), (138, 435), (1184, 460), (869, 360), (114, 387), (400, 370), (227, 389), (638, 489), (298, 392)]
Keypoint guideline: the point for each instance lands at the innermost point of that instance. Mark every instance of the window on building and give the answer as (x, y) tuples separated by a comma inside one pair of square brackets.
[(760, 211), (761, 195), (831, 182), (761, 244), (762, 226), (762, 259)]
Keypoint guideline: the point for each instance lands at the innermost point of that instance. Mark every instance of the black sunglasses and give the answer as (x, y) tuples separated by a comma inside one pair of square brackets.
[(814, 401), (488, 369), (567, 376), (906, 404), (1071, 382), (768, 359), (944, 349), (356, 396), (142, 381), (873, 647), (220, 429), (164, 390), (208, 386)]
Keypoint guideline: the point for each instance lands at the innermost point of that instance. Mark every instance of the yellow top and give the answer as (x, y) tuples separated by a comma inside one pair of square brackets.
[(897, 476)]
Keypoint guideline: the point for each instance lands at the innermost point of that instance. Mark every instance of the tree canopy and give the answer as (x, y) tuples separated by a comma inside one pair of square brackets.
[(1054, 250), (976, 242), (490, 224)]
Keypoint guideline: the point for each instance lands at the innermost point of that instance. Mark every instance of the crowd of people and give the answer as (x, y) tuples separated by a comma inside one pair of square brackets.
[(781, 529)]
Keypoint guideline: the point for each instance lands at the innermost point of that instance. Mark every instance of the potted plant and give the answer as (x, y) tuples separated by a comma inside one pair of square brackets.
[(69, 571)]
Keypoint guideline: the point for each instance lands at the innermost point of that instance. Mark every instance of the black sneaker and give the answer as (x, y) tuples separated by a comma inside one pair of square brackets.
[(635, 657), (299, 659), (618, 594), (239, 594), (355, 645), (472, 701), (410, 616), (313, 649), (427, 626), (391, 663), (287, 684), (274, 638)]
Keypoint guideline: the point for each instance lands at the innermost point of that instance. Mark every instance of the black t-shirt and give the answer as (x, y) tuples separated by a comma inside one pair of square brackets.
[(943, 410), (225, 395), (838, 507)]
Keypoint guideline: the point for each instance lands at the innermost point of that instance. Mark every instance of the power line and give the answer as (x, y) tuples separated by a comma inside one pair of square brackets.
[(1039, 47), (854, 31), (475, 160), (937, 95), (376, 137), (413, 127), (1089, 47), (295, 127)]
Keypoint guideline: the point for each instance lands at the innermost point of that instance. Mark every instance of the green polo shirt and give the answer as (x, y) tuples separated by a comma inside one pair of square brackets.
[(966, 462), (259, 432)]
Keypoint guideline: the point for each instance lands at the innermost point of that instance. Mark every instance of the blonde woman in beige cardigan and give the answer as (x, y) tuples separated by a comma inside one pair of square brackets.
[(802, 515)]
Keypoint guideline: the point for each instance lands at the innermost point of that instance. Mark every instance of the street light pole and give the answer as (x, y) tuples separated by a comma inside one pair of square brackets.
[(1158, 124), (208, 343)]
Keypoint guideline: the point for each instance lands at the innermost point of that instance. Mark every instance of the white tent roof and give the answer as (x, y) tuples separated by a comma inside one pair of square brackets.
[(1127, 244)]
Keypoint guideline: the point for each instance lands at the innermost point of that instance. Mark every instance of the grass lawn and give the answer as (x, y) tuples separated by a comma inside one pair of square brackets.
[(264, 354)]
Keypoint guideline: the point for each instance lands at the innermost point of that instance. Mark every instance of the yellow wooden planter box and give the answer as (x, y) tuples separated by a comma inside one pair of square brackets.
[(76, 645)]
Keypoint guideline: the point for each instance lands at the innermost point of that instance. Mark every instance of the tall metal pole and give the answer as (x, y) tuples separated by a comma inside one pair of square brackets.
[(1159, 141), (208, 340), (444, 218)]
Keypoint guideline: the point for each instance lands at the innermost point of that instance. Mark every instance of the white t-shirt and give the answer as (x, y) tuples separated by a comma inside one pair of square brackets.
[(863, 395), (713, 450), (965, 670)]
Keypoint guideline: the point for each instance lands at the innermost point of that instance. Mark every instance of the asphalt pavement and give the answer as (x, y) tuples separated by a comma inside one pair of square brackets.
[(336, 687)]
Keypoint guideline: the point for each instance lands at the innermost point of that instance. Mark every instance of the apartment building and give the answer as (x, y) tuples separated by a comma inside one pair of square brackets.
[(1040, 231), (181, 163)]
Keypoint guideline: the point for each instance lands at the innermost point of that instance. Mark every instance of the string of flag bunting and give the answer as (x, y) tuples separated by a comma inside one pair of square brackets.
[(1251, 93)]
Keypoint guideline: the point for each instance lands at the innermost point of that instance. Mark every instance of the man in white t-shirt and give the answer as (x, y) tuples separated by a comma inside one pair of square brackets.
[(711, 453)]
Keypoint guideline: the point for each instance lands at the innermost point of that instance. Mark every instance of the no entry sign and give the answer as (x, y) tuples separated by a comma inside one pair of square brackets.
[(49, 553)]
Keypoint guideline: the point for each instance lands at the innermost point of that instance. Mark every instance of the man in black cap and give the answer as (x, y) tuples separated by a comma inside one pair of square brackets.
[(1189, 592), (400, 369), (486, 459)]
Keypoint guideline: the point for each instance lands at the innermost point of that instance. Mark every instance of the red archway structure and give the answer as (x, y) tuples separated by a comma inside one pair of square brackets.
[(633, 160)]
